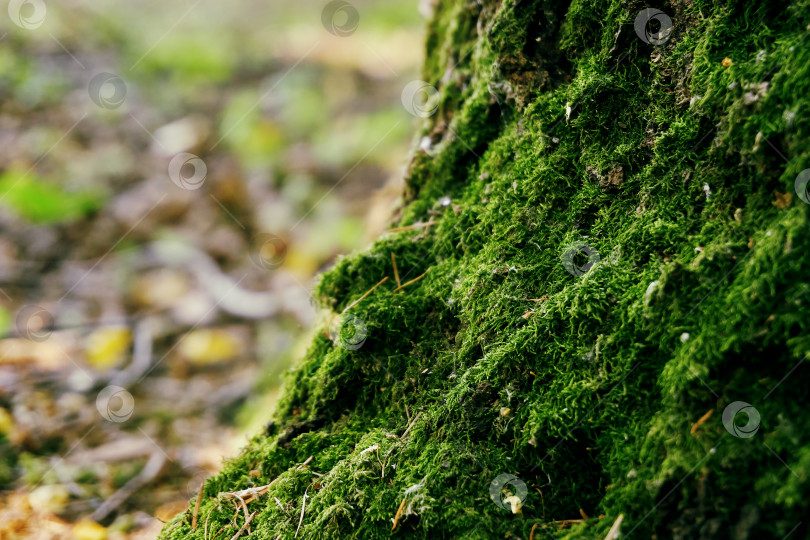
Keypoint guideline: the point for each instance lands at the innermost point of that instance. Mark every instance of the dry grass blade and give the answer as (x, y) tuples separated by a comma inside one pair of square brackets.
[(197, 508), (616, 529)]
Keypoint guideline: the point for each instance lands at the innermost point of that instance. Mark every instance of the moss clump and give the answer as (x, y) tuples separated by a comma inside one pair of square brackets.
[(623, 251)]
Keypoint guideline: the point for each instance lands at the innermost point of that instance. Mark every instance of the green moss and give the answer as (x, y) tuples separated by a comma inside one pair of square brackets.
[(586, 387)]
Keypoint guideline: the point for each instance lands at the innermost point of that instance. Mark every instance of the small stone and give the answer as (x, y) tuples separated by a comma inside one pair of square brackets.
[(684, 337), (726, 62)]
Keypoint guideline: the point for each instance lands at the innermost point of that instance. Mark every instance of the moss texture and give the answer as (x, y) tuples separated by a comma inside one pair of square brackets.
[(559, 132)]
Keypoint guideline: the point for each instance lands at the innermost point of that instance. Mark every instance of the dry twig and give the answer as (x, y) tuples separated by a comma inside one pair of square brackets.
[(408, 429), (250, 494), (244, 525)]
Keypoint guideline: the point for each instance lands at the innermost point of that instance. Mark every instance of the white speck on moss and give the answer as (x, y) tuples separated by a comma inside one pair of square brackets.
[(684, 337)]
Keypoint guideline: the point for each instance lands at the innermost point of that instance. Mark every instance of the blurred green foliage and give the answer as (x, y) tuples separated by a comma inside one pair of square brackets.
[(44, 202)]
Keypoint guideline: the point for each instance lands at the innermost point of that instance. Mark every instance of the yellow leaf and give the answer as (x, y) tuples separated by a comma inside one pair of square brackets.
[(52, 498), (209, 346), (6, 422), (107, 346), (87, 529)]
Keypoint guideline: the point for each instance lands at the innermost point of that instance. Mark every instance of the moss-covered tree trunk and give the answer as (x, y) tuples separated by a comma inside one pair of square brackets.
[(611, 215)]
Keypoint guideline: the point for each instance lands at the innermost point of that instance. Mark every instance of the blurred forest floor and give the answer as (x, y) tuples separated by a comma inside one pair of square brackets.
[(145, 326)]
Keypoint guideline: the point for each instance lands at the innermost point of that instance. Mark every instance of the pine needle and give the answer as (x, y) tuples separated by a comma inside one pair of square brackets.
[(368, 292), (396, 272), (700, 421), (414, 280), (398, 514)]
